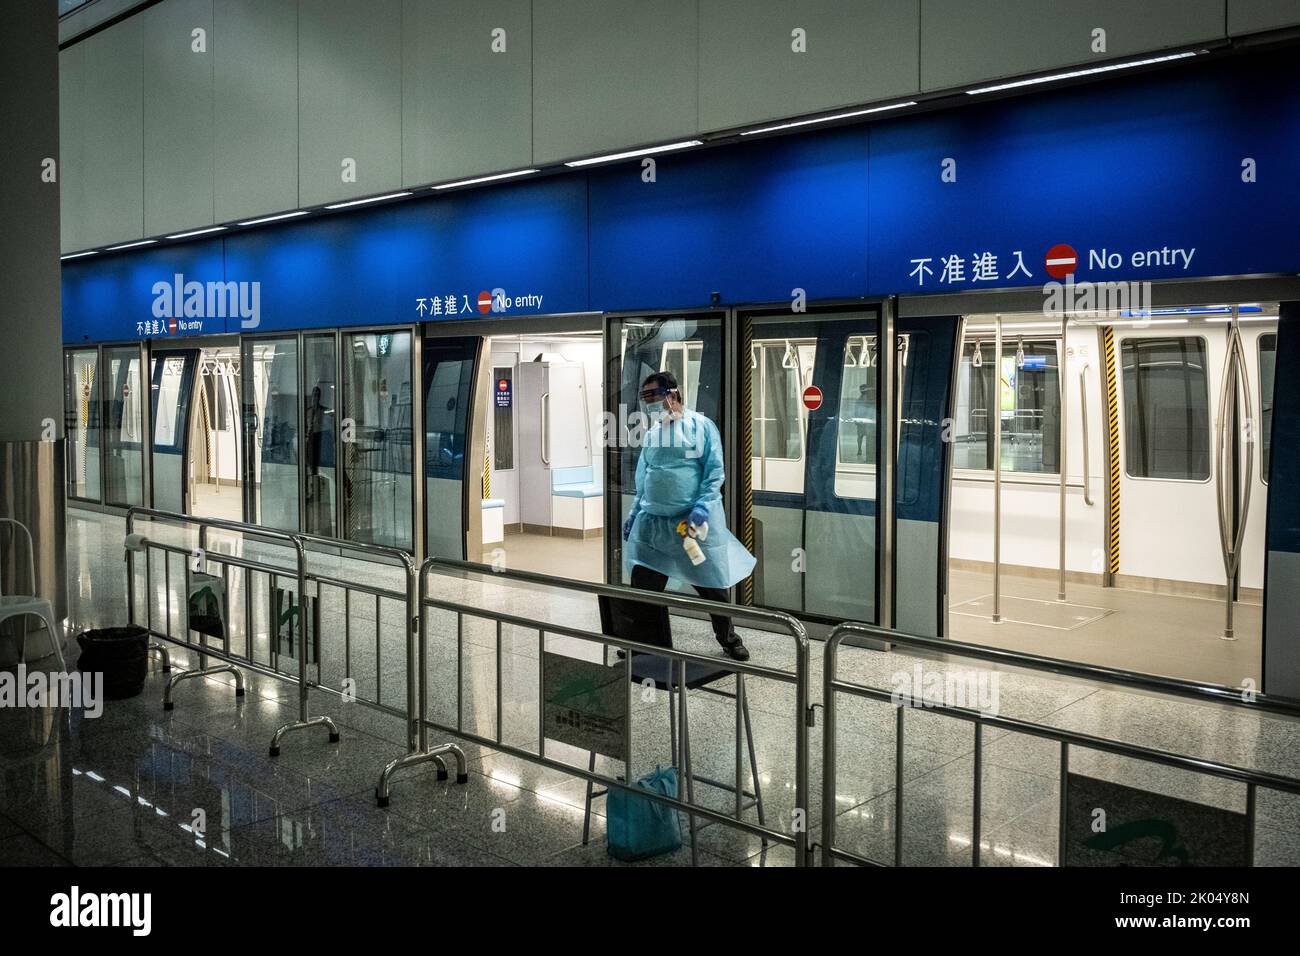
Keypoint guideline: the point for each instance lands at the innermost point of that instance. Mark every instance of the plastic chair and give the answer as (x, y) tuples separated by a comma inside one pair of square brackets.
[(17, 605)]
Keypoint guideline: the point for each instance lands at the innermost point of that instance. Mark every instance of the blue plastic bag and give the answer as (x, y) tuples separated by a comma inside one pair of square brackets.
[(637, 828)]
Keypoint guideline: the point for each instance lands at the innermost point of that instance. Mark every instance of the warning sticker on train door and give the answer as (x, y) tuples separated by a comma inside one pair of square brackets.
[(585, 705), (812, 398)]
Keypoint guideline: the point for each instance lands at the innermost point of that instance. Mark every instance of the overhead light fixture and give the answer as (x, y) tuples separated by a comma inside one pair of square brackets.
[(360, 202), (196, 232), (132, 245), (1074, 74), (633, 153), (78, 255), (276, 218), (827, 119), (487, 179)]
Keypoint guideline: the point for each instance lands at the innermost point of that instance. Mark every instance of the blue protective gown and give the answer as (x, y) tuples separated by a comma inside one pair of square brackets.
[(681, 467)]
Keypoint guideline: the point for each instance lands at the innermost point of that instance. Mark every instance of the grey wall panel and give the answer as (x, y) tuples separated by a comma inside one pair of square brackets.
[(782, 533), (916, 547), (466, 110), (1282, 631), (72, 177), (964, 42), (612, 73), (841, 566), (1255, 16), (349, 97), (177, 116), (110, 109), (856, 51), (255, 108)]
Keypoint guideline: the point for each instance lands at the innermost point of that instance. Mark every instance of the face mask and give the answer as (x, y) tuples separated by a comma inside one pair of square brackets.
[(655, 410)]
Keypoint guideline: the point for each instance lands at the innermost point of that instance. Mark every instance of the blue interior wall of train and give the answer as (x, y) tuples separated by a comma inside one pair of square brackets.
[(1193, 158)]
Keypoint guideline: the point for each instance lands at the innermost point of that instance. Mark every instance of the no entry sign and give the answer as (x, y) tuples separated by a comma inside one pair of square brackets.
[(812, 398), (485, 302), (1061, 261)]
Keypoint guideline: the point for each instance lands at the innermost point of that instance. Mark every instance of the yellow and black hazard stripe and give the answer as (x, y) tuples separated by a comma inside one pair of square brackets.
[(1112, 453), (746, 419)]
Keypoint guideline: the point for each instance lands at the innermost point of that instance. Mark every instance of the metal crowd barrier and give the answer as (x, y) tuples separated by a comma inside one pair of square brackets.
[(784, 622), (303, 574), (833, 686)]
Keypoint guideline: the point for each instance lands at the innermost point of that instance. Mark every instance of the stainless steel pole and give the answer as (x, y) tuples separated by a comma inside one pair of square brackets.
[(997, 470), (1063, 365)]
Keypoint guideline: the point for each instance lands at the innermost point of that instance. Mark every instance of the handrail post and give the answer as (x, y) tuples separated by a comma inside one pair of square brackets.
[(830, 663)]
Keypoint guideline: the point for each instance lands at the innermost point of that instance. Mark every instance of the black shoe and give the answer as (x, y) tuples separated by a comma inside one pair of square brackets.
[(735, 649)]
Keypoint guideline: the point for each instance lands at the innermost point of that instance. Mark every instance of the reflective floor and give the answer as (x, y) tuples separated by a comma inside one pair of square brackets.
[(1166, 634), (137, 785)]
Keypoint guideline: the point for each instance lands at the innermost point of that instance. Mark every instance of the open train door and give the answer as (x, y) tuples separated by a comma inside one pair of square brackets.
[(1280, 428), (817, 432)]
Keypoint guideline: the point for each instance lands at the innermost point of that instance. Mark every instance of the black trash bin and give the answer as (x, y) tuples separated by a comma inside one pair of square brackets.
[(121, 654)]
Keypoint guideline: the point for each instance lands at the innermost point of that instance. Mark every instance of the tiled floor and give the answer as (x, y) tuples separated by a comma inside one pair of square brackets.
[(194, 786)]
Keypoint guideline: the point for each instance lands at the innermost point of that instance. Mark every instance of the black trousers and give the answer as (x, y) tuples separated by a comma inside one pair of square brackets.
[(648, 579)]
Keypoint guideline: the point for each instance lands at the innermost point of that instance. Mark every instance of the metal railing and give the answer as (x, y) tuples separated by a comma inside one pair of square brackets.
[(305, 576), (797, 839), (1187, 690)]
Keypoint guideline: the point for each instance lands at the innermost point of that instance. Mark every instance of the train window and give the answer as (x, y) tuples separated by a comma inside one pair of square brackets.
[(169, 403), (319, 360), (683, 360), (503, 419), (377, 464), (776, 408), (1166, 408), (1028, 402), (855, 452), (81, 417), (1267, 363)]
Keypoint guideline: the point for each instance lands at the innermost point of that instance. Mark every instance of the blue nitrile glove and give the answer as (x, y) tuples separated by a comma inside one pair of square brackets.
[(627, 525), (698, 516)]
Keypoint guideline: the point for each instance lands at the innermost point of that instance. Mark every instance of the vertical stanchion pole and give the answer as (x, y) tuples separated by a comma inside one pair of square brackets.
[(1065, 803), (130, 572), (1063, 364), (979, 782), (802, 656), (300, 626), (828, 749), (414, 658), (997, 470), (898, 781)]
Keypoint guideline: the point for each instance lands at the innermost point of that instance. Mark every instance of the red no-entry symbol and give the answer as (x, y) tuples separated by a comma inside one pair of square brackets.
[(1062, 260), (485, 302), (812, 398), (171, 326)]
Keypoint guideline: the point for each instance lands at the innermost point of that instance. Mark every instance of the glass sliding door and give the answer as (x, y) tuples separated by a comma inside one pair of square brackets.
[(377, 438), (690, 347), (123, 427), (449, 387), (813, 476), (272, 408), (171, 386), (320, 369), (81, 408)]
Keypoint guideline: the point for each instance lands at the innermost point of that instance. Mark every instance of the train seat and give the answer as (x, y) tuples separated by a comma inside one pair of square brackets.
[(577, 499), (494, 515)]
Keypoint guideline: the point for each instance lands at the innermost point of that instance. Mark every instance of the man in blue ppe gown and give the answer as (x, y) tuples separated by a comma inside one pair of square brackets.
[(679, 480)]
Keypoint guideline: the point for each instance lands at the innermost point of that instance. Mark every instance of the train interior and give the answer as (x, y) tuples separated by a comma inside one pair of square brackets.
[(1130, 562), (543, 503), (1121, 566)]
